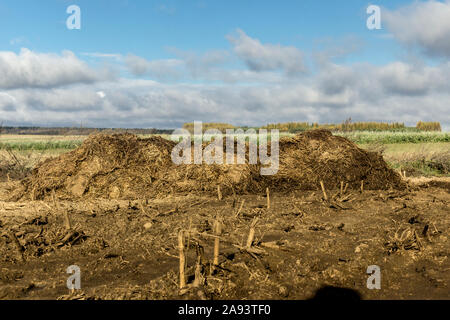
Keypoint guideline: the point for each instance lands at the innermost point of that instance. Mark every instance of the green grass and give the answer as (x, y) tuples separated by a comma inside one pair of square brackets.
[(40, 145), (29, 142), (365, 137), (417, 159), (385, 137)]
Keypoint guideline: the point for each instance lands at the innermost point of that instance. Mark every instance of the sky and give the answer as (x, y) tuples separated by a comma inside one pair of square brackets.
[(141, 63)]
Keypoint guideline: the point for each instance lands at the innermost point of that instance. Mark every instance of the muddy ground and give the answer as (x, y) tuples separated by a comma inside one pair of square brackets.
[(129, 249)]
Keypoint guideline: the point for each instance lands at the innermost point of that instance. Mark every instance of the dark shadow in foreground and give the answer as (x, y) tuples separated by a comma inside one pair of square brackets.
[(336, 293)]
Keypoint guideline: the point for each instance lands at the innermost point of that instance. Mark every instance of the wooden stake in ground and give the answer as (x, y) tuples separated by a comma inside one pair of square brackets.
[(240, 208), (419, 243), (67, 224), (199, 279), (342, 188), (141, 205), (217, 231), (251, 234), (54, 198), (234, 197), (325, 196), (18, 246), (362, 186), (219, 193), (67, 221), (346, 187), (268, 198), (182, 259)]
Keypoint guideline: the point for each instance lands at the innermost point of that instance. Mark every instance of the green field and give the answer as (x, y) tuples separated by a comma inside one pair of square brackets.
[(38, 142), (386, 137), (426, 159), (417, 153)]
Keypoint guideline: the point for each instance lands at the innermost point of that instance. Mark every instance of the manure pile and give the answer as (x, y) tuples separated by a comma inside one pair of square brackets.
[(123, 166), (312, 156)]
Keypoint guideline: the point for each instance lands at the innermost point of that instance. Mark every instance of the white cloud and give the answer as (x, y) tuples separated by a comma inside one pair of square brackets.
[(162, 69), (191, 66), (204, 65), (364, 92), (7, 102), (101, 55), (401, 78), (44, 70), (422, 24), (267, 57), (49, 89)]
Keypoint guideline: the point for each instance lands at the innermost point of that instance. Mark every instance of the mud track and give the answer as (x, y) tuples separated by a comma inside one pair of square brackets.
[(128, 249)]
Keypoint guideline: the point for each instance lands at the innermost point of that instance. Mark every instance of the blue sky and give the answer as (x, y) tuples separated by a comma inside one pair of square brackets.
[(160, 63), (149, 28)]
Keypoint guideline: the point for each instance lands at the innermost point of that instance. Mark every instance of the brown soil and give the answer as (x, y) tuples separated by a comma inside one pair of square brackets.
[(123, 166), (128, 249)]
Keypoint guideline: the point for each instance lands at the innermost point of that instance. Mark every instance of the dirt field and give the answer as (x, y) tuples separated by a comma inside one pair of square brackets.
[(128, 249)]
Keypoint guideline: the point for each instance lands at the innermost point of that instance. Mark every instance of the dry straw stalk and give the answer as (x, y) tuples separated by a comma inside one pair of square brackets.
[(325, 196), (182, 259)]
